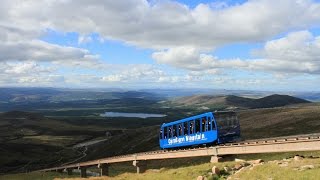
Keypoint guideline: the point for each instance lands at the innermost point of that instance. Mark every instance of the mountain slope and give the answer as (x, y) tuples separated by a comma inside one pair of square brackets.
[(240, 102), (265, 102)]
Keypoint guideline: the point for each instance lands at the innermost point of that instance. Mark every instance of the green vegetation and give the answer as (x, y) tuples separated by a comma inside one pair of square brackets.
[(222, 102), (291, 172), (31, 141), (61, 119), (36, 176), (265, 102), (265, 123), (191, 168)]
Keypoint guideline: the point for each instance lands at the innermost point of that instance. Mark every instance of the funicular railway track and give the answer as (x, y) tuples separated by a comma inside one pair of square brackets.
[(308, 142)]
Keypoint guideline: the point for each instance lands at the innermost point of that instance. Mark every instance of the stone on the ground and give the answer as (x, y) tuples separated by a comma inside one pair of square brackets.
[(286, 160), (258, 161), (239, 160), (245, 164), (215, 170), (237, 167), (200, 178), (306, 167), (254, 165), (297, 158), (283, 164)]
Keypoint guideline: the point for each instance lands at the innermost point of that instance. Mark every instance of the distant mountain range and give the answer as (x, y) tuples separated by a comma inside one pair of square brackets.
[(37, 98), (239, 102), (55, 95)]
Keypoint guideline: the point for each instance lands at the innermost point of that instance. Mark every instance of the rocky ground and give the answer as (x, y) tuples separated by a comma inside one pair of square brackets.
[(306, 167)]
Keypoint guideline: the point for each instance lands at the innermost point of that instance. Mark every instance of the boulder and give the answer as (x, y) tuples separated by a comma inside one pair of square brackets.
[(258, 161), (283, 164), (286, 160), (239, 160), (297, 158), (306, 167), (215, 170), (254, 165), (237, 167), (245, 164), (200, 178)]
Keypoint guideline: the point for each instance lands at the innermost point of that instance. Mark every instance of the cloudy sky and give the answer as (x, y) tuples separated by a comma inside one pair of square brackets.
[(256, 44)]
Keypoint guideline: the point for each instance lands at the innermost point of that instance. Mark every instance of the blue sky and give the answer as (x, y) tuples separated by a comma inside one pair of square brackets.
[(259, 45)]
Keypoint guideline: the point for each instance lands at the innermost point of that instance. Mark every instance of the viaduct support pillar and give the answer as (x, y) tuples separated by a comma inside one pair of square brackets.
[(104, 169), (70, 171), (215, 159), (141, 166), (83, 172)]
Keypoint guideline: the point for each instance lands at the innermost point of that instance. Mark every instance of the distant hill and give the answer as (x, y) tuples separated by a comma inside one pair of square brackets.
[(33, 99), (239, 102), (265, 102)]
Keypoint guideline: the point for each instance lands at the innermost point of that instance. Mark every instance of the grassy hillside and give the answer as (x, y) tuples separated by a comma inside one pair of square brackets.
[(265, 102), (33, 140), (263, 123), (221, 102), (30, 141), (255, 123)]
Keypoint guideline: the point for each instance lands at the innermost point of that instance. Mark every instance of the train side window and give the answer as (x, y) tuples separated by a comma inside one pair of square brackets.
[(170, 132), (191, 127), (165, 132), (198, 125), (180, 129), (174, 130), (185, 128), (160, 134), (209, 123), (204, 124), (213, 125)]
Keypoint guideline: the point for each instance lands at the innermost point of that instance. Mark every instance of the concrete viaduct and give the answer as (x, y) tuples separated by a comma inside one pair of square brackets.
[(309, 142)]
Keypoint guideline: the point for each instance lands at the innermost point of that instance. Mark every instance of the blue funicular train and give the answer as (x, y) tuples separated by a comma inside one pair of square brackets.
[(204, 129)]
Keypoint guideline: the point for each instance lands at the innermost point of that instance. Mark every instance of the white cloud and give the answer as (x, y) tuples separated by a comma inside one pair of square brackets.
[(298, 52), (193, 59), (40, 51), (133, 73), (296, 46), (83, 39), (28, 73), (43, 80), (22, 68), (183, 37), (166, 24)]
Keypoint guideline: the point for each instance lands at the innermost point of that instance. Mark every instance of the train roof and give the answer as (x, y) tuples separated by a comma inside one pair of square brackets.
[(198, 116)]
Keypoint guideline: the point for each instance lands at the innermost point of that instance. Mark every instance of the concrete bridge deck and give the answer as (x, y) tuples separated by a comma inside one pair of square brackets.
[(280, 144)]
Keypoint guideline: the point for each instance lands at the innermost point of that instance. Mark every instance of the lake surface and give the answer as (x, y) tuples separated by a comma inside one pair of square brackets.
[(136, 115)]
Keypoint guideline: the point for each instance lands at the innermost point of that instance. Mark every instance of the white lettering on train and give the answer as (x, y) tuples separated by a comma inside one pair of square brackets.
[(188, 138)]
